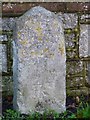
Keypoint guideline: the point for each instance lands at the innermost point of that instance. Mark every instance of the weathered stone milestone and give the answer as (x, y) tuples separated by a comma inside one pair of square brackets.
[(39, 67)]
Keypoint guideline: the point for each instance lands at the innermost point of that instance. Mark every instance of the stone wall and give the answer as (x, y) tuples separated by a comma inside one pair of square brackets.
[(16, 9), (7, 80), (45, 1), (70, 20)]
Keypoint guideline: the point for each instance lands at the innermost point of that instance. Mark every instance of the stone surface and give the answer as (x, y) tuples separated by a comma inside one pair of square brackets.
[(84, 43), (0, 58), (4, 58), (0, 67), (69, 19), (39, 62), (8, 23)]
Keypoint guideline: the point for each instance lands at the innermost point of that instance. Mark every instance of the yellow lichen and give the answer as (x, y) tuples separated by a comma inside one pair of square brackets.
[(19, 35), (47, 40), (25, 42), (45, 50), (33, 53), (40, 39), (61, 48), (39, 29)]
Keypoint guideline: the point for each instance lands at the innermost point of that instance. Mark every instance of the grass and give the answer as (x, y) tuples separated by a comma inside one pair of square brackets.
[(83, 111)]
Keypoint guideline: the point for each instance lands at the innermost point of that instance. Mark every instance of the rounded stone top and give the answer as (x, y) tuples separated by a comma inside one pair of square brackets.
[(37, 11)]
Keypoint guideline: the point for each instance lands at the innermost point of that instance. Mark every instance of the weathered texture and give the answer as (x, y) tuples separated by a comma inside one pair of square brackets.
[(8, 23), (0, 59), (70, 20), (39, 79), (75, 69), (84, 42), (0, 68), (3, 55)]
